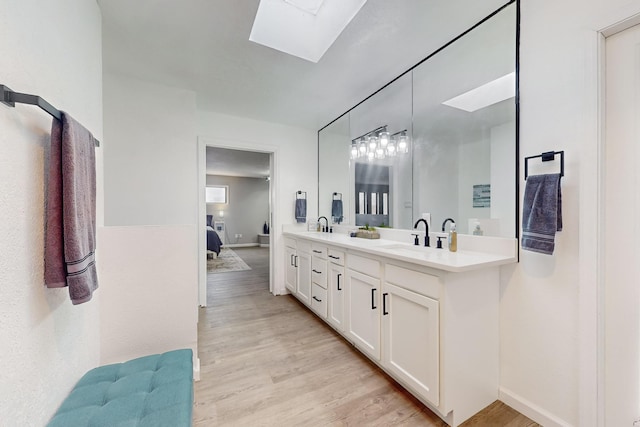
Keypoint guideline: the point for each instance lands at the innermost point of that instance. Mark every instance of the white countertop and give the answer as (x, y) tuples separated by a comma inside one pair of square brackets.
[(442, 259)]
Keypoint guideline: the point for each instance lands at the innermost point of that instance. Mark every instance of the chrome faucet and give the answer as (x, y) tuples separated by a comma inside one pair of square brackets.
[(445, 222), (326, 221), (426, 226)]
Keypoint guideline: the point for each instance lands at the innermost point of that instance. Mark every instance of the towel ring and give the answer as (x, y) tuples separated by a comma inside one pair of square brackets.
[(546, 157)]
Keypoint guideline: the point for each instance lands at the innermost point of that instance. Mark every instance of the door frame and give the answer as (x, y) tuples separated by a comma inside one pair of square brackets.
[(591, 402), (203, 143)]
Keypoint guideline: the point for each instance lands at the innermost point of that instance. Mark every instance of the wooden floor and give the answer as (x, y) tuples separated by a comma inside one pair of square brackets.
[(268, 361)]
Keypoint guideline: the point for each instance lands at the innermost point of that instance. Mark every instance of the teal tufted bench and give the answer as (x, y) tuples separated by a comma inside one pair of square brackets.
[(151, 391)]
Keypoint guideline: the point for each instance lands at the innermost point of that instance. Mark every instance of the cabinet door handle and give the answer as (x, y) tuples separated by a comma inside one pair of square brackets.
[(315, 298), (384, 304), (291, 260), (316, 271), (334, 257), (295, 261), (339, 275), (316, 251), (373, 299)]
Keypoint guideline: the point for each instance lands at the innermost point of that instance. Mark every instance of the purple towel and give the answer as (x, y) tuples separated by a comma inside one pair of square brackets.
[(70, 243), (542, 213)]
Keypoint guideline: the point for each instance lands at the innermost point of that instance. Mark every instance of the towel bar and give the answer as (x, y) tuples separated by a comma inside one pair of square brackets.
[(10, 98), (546, 157)]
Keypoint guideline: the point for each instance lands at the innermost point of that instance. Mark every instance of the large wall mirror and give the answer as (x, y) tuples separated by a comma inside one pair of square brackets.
[(439, 140)]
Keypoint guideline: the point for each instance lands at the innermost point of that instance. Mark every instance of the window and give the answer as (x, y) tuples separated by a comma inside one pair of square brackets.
[(217, 194)]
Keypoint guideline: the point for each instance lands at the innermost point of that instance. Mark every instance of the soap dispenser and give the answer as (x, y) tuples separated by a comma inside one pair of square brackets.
[(453, 238)]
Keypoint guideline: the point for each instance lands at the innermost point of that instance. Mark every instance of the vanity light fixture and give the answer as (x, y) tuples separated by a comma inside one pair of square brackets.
[(379, 144)]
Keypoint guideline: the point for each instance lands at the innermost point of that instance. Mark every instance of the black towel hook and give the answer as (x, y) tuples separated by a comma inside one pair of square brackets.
[(546, 157)]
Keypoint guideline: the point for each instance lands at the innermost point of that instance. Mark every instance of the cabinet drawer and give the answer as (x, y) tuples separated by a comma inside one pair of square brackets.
[(420, 283), (336, 257), (364, 265), (319, 251), (319, 271), (303, 246), (289, 242), (319, 300)]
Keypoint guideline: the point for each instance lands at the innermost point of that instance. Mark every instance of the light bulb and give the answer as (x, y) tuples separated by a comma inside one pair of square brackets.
[(362, 148), (379, 153), (391, 149), (373, 141), (403, 146), (384, 139), (354, 151), (370, 155)]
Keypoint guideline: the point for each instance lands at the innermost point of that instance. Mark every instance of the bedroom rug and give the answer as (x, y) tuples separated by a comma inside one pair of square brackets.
[(227, 261)]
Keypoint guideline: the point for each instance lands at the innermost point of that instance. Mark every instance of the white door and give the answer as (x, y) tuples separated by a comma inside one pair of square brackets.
[(411, 337), (291, 273), (336, 296), (363, 324), (304, 277), (621, 229)]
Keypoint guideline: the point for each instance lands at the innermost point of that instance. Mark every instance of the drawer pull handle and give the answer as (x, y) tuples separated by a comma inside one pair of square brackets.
[(334, 257), (315, 298), (373, 299), (384, 304), (316, 271), (318, 252), (339, 275)]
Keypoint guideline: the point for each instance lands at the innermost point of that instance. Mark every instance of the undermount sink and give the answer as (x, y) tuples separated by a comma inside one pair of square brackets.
[(400, 247)]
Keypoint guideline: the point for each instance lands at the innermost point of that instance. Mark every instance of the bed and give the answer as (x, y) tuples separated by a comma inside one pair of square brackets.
[(213, 240)]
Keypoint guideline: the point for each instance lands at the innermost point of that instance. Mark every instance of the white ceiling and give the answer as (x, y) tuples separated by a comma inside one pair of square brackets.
[(203, 45)]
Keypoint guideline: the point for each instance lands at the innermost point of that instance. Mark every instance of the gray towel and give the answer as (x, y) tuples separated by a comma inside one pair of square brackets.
[(336, 211), (69, 255), (542, 213), (301, 210)]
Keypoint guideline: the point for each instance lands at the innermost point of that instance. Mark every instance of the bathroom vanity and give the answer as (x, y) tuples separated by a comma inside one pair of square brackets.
[(428, 317)]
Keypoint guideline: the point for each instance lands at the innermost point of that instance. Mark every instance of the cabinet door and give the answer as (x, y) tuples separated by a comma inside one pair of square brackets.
[(303, 291), (411, 340), (336, 296), (290, 278), (363, 312)]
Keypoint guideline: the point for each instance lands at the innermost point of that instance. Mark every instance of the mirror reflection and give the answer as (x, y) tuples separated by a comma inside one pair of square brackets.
[(456, 114)]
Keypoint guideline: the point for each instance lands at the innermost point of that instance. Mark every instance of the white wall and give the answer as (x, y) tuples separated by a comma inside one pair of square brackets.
[(150, 303), (150, 179), (247, 210), (46, 343), (296, 167), (548, 302), (150, 153)]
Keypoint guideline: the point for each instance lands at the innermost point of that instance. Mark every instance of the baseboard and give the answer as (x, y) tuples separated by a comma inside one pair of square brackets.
[(196, 369), (264, 245), (240, 245), (530, 409)]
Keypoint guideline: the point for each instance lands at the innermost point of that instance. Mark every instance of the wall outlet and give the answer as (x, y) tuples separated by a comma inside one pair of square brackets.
[(238, 236)]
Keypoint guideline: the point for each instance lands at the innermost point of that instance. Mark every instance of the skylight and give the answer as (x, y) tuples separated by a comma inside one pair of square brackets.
[(488, 94), (303, 28)]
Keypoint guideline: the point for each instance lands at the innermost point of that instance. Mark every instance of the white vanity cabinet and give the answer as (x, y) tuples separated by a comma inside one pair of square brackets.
[(298, 268), (363, 309), (319, 273), (433, 330), (290, 265), (336, 289), (411, 330)]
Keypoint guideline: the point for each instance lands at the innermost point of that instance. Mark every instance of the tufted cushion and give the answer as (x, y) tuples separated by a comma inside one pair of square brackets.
[(151, 391)]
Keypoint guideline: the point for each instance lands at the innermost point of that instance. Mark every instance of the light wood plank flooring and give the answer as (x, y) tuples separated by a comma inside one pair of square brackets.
[(268, 361)]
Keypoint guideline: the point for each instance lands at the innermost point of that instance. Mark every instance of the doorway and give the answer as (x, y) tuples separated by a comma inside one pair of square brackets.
[(621, 208), (239, 181)]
